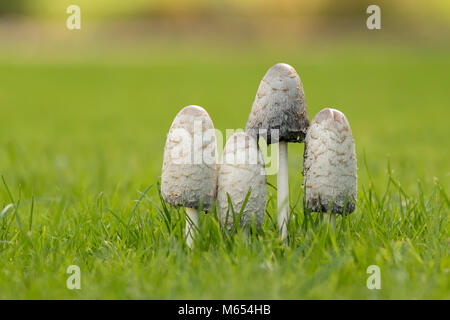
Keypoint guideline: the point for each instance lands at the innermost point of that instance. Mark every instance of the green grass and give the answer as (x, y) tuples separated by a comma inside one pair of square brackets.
[(80, 142)]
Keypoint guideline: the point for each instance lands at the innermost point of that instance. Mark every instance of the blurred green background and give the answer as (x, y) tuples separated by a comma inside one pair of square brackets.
[(84, 114), (132, 9)]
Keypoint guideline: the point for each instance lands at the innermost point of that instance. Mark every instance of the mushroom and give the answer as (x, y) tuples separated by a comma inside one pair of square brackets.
[(279, 113), (329, 167), (242, 171), (189, 176)]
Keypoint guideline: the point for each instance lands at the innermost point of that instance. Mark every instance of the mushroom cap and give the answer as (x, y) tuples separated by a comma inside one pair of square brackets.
[(279, 104), (189, 175), (329, 167), (242, 168)]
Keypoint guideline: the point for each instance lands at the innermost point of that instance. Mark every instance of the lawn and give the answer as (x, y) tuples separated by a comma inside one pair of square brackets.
[(82, 139)]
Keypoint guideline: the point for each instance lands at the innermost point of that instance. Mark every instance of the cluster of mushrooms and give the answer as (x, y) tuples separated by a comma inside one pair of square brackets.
[(278, 115)]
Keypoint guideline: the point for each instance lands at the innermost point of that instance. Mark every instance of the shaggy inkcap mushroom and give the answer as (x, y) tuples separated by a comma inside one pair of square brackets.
[(279, 104), (329, 167), (242, 170), (279, 115), (189, 176)]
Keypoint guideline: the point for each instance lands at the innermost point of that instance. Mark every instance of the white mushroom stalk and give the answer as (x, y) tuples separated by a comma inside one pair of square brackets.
[(329, 169), (189, 175), (242, 171), (283, 189), (191, 225), (279, 115)]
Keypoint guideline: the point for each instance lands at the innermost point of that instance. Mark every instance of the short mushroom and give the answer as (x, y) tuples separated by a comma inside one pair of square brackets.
[(189, 175), (242, 171), (279, 113), (329, 168)]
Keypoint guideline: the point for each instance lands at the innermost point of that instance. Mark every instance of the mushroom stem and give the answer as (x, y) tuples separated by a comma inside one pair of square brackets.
[(283, 189), (331, 219), (191, 225)]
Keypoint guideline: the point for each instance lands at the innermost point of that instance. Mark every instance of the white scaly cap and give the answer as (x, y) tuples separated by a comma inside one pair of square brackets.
[(242, 169), (279, 104), (329, 167), (189, 175)]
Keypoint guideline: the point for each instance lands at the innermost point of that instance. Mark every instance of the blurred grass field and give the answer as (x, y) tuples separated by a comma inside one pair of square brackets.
[(81, 141)]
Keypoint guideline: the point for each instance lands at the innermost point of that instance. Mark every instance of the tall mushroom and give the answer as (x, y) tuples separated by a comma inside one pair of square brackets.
[(242, 171), (189, 176), (329, 168), (279, 113)]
